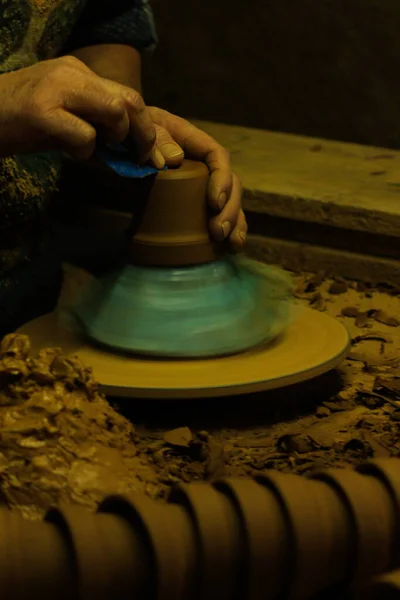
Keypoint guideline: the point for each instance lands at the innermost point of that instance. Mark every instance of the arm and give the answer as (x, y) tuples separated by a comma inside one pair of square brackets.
[(109, 40), (110, 37), (117, 62)]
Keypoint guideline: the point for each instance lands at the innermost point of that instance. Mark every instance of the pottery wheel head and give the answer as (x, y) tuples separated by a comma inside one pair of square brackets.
[(314, 344)]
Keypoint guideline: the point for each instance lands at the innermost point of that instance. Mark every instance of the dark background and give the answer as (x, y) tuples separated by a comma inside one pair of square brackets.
[(328, 68)]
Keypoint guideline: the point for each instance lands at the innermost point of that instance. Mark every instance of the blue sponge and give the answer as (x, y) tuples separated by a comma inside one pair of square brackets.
[(119, 159)]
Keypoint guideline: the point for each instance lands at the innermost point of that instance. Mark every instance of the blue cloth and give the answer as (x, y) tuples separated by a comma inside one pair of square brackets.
[(117, 157)]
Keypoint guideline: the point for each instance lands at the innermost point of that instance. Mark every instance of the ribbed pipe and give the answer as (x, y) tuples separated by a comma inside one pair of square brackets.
[(280, 536)]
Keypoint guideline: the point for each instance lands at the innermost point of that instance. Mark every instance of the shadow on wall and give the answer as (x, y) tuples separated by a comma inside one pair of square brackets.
[(328, 68)]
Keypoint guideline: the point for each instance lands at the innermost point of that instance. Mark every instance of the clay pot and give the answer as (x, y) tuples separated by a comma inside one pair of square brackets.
[(104, 552), (372, 515), (218, 565), (388, 472), (34, 560), (173, 229), (319, 534), (165, 560), (264, 535)]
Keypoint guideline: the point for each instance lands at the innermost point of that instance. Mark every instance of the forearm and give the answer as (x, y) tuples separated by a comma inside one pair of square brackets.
[(117, 62)]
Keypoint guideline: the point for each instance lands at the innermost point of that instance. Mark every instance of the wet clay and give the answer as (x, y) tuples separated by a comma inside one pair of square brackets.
[(284, 362), (60, 439), (173, 229)]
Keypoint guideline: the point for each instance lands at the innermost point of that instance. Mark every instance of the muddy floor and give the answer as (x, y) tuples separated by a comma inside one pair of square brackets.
[(62, 441)]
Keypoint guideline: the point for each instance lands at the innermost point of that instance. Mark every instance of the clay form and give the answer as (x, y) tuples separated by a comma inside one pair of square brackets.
[(173, 293), (213, 309), (307, 528), (103, 550), (261, 519), (35, 563), (218, 539), (372, 512), (318, 532), (167, 547), (312, 535), (173, 230), (287, 361), (387, 471)]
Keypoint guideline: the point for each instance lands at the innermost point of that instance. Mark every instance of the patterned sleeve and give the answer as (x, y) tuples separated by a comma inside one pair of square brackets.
[(128, 22)]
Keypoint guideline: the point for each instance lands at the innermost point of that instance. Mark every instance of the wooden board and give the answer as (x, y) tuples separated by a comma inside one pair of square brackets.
[(324, 182)]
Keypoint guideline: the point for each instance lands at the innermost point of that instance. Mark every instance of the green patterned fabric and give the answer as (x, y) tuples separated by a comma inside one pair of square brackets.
[(32, 31)]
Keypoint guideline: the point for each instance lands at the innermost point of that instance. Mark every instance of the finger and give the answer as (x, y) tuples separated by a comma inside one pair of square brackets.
[(70, 133), (171, 151), (98, 106), (238, 236), (199, 145), (221, 180), (224, 224), (142, 129)]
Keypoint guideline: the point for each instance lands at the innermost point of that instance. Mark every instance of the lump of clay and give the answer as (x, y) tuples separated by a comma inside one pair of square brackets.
[(60, 439)]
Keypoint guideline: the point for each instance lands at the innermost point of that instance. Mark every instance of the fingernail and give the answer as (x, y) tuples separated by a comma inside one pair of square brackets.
[(222, 200), (226, 229), (171, 150), (242, 236), (158, 159)]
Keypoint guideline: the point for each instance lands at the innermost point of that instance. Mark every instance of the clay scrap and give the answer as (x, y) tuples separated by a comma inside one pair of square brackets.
[(60, 439)]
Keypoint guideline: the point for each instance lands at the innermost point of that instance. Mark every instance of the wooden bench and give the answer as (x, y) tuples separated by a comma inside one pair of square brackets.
[(314, 204)]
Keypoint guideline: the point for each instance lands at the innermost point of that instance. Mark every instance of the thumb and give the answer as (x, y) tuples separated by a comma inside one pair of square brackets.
[(171, 151)]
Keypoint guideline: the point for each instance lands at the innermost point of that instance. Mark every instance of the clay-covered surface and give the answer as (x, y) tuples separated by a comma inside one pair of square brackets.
[(62, 441)]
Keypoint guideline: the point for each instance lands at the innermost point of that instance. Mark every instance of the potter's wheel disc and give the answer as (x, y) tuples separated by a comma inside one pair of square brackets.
[(312, 345)]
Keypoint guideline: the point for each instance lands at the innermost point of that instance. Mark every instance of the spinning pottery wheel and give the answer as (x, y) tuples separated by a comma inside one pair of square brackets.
[(182, 319), (314, 344)]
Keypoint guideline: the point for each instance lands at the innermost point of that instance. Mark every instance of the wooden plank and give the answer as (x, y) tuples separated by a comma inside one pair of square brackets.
[(308, 179), (297, 256)]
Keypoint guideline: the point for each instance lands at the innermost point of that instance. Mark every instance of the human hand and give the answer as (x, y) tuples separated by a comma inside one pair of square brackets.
[(62, 104), (176, 137)]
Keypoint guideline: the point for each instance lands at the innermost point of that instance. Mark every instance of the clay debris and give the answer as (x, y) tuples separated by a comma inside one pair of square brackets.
[(59, 438), (363, 319), (181, 456)]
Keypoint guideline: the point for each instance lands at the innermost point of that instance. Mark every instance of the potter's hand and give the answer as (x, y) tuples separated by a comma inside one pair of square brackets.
[(176, 137), (62, 104)]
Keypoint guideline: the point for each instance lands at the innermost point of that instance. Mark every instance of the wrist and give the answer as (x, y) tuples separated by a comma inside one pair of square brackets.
[(116, 62)]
